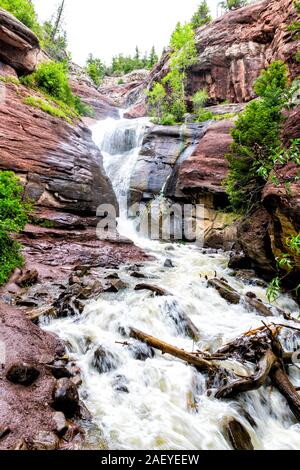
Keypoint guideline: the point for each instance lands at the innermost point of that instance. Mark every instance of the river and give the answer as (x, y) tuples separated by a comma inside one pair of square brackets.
[(162, 403)]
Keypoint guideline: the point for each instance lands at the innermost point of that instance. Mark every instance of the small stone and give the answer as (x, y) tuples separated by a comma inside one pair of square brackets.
[(60, 423), (169, 264), (4, 431), (65, 397), (22, 373), (104, 361), (28, 278), (59, 372), (44, 440), (116, 285)]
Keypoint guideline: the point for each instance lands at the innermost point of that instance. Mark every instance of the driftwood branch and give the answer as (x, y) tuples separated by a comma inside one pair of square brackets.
[(199, 363), (286, 388), (254, 382)]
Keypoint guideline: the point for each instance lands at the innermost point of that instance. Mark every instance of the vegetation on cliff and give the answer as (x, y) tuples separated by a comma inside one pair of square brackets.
[(13, 217), (256, 138), (51, 78), (202, 15), (169, 106)]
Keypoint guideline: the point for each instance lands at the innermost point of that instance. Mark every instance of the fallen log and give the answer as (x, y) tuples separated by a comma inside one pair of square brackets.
[(201, 364), (225, 291), (286, 388), (253, 382), (232, 296), (157, 290)]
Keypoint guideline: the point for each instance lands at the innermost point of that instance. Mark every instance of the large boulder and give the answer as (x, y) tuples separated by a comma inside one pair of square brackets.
[(19, 46), (162, 149), (205, 170)]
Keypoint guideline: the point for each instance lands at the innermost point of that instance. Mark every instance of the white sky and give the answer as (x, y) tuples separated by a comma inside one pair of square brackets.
[(107, 28)]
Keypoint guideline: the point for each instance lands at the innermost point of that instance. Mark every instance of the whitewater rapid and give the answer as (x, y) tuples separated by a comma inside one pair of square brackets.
[(162, 403)]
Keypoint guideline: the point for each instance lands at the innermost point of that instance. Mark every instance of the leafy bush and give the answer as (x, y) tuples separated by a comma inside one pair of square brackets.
[(169, 97), (256, 137), (168, 119), (204, 115), (52, 78), (24, 11), (199, 100), (230, 5), (13, 217), (95, 69)]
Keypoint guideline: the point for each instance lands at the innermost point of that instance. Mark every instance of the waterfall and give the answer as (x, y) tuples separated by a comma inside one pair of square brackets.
[(145, 400)]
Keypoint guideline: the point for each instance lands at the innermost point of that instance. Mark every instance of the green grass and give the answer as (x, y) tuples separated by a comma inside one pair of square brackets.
[(220, 117), (9, 79), (47, 107)]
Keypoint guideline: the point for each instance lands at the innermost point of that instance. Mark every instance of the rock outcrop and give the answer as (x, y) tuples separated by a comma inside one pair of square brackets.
[(118, 88), (58, 162), (25, 409), (205, 170), (82, 86), (232, 51), (162, 149), (19, 46)]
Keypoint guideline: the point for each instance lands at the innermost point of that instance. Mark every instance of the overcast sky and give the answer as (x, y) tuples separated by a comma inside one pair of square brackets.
[(107, 28)]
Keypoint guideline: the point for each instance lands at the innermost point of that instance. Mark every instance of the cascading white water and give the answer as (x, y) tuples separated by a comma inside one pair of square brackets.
[(161, 403)]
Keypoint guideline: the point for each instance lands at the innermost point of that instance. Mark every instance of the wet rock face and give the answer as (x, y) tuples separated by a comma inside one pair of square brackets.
[(205, 170), (59, 164), (22, 373), (19, 46), (162, 147)]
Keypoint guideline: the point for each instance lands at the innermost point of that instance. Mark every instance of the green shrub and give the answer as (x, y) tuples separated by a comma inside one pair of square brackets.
[(13, 217), (168, 120), (256, 138), (95, 69), (230, 5), (169, 97), (204, 116), (200, 99), (83, 109), (52, 78), (24, 11)]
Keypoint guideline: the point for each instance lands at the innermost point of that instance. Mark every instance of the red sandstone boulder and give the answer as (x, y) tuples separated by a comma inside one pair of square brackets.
[(205, 170), (59, 164), (19, 46)]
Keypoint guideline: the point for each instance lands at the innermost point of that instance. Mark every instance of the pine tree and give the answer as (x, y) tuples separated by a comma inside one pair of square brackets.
[(202, 15), (153, 58), (229, 5)]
